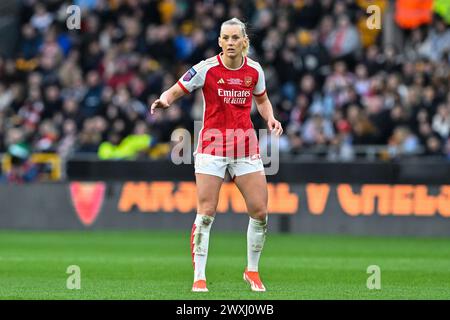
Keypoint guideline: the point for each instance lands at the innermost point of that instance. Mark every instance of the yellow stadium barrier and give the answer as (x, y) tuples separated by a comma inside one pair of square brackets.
[(39, 158)]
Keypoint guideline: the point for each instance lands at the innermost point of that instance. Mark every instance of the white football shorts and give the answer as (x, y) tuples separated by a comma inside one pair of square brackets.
[(217, 166)]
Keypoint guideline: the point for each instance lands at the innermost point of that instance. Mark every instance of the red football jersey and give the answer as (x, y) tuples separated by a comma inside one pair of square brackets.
[(227, 94)]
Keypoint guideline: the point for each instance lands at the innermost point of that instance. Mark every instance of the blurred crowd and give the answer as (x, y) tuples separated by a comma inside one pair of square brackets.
[(331, 82)]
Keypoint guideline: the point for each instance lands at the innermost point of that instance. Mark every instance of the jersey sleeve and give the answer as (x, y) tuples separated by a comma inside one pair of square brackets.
[(194, 78), (260, 87)]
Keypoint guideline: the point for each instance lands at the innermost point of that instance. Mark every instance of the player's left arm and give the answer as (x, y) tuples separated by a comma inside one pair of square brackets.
[(266, 111)]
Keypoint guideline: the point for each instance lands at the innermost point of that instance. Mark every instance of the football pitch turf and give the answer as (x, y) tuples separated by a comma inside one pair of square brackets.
[(157, 265)]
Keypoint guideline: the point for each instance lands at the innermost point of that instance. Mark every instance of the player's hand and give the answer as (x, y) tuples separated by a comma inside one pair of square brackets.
[(275, 126), (159, 103)]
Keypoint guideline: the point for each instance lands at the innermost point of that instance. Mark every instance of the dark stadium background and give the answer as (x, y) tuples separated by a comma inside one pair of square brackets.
[(364, 172)]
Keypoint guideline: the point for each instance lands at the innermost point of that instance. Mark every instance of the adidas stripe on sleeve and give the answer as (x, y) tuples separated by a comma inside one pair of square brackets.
[(260, 87)]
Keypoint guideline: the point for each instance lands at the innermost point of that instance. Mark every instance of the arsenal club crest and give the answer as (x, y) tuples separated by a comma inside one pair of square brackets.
[(248, 81), (87, 199)]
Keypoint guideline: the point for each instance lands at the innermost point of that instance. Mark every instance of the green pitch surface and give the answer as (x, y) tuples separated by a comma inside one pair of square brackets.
[(157, 265)]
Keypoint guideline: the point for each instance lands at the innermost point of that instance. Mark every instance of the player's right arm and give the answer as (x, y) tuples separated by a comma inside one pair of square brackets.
[(168, 97), (193, 79)]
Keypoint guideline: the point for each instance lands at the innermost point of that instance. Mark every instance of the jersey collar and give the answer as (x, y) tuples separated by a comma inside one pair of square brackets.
[(244, 62)]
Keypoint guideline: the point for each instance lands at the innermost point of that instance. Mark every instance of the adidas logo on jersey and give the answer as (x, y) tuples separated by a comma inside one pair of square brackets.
[(221, 81)]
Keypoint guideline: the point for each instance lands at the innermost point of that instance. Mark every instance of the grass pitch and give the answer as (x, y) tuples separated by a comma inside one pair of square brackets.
[(157, 265)]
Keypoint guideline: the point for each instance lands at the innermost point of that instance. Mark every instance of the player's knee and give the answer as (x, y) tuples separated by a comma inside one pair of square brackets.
[(207, 210), (259, 213)]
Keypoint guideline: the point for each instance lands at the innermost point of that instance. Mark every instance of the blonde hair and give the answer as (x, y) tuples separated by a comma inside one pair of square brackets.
[(237, 22)]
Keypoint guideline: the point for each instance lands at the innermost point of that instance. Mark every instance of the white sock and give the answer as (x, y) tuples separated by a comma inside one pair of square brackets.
[(256, 236), (199, 244)]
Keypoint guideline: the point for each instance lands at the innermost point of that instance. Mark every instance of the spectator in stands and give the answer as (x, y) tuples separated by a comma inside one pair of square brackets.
[(92, 99), (31, 42), (131, 147), (344, 40), (317, 131), (447, 149), (441, 121), (22, 169), (434, 146), (47, 137), (69, 136), (404, 142), (41, 18), (332, 81), (438, 41)]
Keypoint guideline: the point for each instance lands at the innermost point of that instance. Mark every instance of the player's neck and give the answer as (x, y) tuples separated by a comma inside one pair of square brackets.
[(232, 63)]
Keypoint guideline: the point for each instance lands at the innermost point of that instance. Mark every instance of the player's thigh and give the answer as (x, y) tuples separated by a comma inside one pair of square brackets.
[(208, 189), (253, 187)]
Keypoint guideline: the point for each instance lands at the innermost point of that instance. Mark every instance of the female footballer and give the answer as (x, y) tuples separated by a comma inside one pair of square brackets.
[(227, 141)]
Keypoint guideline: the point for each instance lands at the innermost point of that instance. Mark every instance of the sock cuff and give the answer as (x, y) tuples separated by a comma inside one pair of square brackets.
[(204, 220), (258, 223)]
